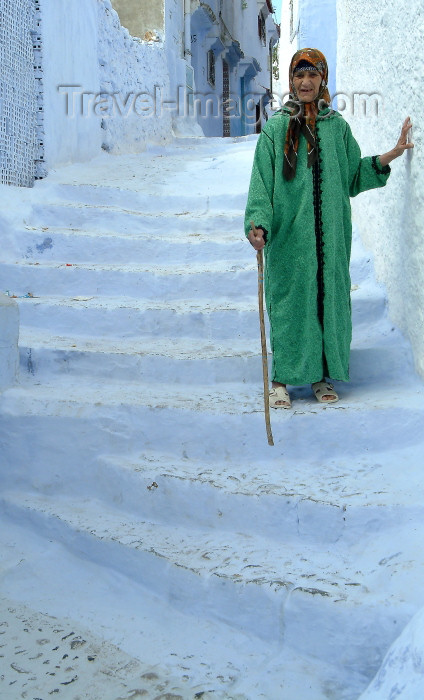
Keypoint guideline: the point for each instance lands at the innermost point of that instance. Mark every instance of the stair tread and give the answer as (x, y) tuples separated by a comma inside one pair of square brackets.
[(68, 394), (180, 306), (295, 480), (236, 556), (183, 348), (184, 237), (171, 269)]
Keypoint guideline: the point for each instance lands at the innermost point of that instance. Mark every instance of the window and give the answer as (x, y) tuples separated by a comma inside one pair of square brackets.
[(211, 67), (262, 28)]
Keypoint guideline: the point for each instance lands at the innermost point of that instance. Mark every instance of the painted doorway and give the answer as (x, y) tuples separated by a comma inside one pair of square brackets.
[(258, 125)]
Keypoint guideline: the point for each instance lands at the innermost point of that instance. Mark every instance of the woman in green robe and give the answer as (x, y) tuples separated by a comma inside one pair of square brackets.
[(307, 165)]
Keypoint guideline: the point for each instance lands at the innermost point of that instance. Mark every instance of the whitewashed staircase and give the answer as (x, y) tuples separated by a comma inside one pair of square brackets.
[(136, 435)]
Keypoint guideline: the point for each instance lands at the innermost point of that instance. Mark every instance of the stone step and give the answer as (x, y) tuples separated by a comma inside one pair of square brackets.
[(25, 632), (126, 317), (168, 240), (297, 501), (162, 650), (380, 364), (77, 422), (132, 195), (274, 591), (170, 172), (369, 304), (206, 242), (178, 360), (153, 212), (103, 221), (233, 279), (152, 284), (172, 360)]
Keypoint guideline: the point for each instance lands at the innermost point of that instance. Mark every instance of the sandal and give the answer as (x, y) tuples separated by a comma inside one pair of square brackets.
[(279, 393), (321, 389)]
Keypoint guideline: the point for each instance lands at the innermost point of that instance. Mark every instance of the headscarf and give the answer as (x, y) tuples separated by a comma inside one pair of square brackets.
[(304, 114)]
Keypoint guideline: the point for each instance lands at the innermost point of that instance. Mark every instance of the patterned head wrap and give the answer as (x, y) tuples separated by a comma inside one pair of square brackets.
[(304, 114)]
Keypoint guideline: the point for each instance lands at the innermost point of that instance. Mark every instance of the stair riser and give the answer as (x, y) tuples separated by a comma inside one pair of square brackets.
[(72, 437), (361, 269), (97, 199), (174, 501), (78, 248), (372, 365), (44, 363), (133, 199), (383, 363), (154, 215), (250, 607), (195, 502), (232, 284), (273, 613), (127, 322), (72, 281), (131, 322), (282, 517), (152, 247), (366, 310), (362, 638)]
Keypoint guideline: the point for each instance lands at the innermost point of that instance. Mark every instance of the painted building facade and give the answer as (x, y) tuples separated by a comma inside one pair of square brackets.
[(231, 55), (219, 57)]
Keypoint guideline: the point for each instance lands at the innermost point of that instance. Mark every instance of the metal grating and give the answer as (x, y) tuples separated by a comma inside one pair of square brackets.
[(226, 99), (40, 167), (17, 93)]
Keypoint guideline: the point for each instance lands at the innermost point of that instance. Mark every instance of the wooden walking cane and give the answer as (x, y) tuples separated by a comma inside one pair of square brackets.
[(260, 259)]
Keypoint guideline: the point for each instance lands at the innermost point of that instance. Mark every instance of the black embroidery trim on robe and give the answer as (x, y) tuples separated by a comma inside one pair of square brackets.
[(319, 234), (385, 170), (319, 237)]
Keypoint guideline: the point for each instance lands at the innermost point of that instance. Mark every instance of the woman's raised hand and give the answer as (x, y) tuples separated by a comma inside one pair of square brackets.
[(403, 143), (401, 146)]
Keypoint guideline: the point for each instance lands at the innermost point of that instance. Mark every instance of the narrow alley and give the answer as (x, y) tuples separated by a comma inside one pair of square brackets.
[(141, 499)]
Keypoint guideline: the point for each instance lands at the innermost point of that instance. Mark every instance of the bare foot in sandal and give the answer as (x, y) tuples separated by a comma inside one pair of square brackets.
[(324, 392), (279, 396)]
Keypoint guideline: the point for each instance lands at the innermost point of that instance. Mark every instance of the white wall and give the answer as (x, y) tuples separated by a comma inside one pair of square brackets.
[(69, 40), (136, 72), (98, 57), (9, 354), (380, 50), (174, 50), (402, 672)]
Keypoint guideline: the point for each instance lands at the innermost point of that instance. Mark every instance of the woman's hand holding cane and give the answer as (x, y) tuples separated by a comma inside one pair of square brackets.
[(256, 237)]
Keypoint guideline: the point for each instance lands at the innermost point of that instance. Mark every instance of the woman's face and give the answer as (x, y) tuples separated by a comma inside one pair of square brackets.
[(307, 85)]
